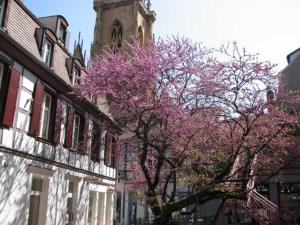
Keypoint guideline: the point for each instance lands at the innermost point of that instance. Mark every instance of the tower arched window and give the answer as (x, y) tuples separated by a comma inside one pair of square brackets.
[(141, 35), (117, 35)]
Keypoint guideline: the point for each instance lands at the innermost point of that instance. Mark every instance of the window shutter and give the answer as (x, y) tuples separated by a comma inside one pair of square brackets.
[(84, 136), (108, 148), (116, 147), (36, 109), (11, 99), (69, 131), (58, 121), (96, 143)]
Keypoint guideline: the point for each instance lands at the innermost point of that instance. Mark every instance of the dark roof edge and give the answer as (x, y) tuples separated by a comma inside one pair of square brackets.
[(58, 79)]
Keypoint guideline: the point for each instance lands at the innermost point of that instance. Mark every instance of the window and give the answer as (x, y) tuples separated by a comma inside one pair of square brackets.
[(47, 52), (37, 202), (76, 76), (25, 101), (117, 35), (62, 34), (289, 197), (110, 150), (63, 123), (91, 208), (71, 203), (45, 116), (76, 128), (141, 36), (2, 8)]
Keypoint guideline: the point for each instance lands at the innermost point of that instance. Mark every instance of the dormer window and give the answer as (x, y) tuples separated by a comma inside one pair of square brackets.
[(2, 14), (62, 34), (76, 76), (47, 52)]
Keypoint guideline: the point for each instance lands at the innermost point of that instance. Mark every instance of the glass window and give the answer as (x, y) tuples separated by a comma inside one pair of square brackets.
[(26, 101), (45, 116), (62, 34), (76, 76), (71, 203), (76, 127), (2, 7), (35, 197), (47, 52), (290, 201), (91, 209), (63, 124)]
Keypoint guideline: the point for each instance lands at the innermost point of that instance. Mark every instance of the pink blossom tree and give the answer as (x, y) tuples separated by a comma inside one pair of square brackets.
[(191, 113)]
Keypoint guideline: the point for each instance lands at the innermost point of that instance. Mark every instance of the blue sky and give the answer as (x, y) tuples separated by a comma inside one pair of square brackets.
[(268, 27)]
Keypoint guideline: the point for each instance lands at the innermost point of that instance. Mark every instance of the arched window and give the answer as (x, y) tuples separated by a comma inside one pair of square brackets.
[(117, 35), (141, 36)]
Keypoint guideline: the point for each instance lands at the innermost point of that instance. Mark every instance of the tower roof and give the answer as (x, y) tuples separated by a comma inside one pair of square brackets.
[(78, 50)]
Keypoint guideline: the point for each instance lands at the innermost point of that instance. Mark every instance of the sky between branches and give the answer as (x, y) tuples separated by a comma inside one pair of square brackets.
[(268, 27)]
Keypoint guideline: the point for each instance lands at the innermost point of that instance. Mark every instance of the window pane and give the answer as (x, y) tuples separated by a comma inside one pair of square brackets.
[(26, 100), (47, 49), (28, 81), (2, 5), (45, 116), (76, 76), (34, 210), (63, 124), (71, 187), (76, 131), (23, 121), (37, 184), (91, 198)]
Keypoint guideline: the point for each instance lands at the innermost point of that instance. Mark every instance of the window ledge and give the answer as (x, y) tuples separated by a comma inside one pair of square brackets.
[(43, 140)]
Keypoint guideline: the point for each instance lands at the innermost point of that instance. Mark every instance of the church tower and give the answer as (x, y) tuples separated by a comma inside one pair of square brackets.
[(118, 21)]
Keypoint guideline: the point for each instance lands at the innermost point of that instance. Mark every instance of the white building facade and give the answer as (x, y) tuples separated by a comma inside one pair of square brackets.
[(58, 153)]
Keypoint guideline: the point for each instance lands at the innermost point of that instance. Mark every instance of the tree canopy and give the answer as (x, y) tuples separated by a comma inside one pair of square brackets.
[(193, 113)]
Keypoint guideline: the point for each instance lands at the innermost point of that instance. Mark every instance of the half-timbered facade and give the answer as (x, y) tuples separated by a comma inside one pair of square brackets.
[(58, 152)]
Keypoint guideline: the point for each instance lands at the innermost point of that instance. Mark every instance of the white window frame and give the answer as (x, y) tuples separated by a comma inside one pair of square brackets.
[(42, 122), (76, 76), (62, 33), (75, 133), (47, 51), (45, 175), (74, 197), (27, 78), (63, 126), (2, 7)]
